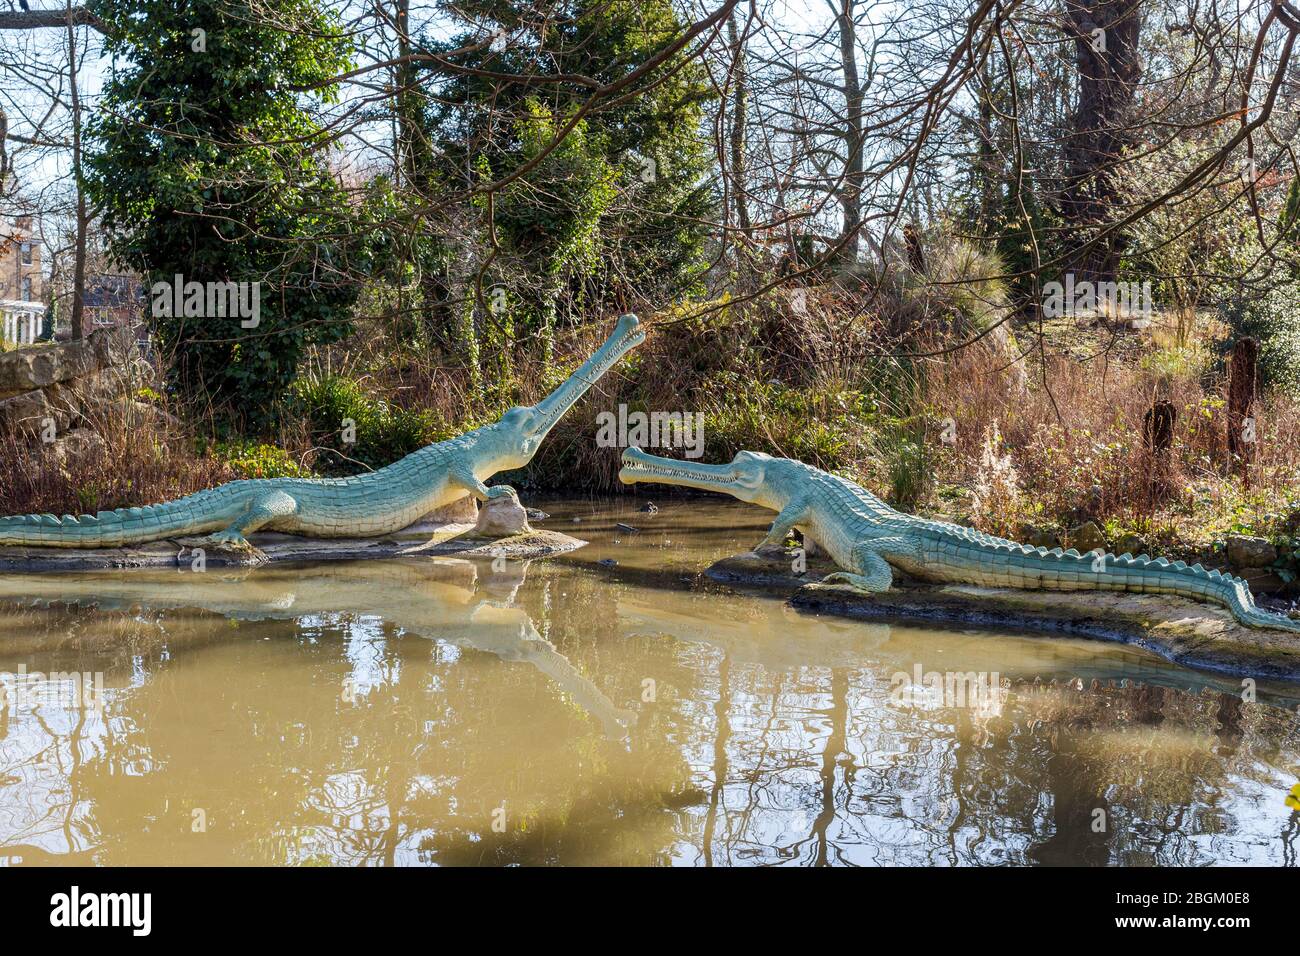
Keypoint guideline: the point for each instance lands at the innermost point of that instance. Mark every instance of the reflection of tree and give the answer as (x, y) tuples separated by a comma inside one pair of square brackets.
[(948, 786), (1288, 839), (47, 742), (838, 719), (1160, 761), (721, 734)]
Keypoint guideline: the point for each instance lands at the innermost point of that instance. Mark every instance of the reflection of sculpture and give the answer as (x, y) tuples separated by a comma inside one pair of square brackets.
[(377, 503), (446, 600), (868, 539)]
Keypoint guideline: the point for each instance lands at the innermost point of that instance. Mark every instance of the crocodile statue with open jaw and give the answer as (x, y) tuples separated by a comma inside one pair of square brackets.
[(868, 539), (376, 503)]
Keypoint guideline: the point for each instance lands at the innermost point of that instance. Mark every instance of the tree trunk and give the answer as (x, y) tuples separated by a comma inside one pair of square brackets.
[(850, 193), (739, 124), (988, 168), (1242, 384), (1105, 36), (83, 218)]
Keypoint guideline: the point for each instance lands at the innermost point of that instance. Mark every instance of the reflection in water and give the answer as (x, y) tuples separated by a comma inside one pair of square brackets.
[(429, 711)]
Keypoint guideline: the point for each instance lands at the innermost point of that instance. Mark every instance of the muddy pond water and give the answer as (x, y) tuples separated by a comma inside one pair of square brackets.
[(610, 706)]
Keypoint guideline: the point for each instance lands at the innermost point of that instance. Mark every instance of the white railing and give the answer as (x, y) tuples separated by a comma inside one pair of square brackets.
[(21, 323)]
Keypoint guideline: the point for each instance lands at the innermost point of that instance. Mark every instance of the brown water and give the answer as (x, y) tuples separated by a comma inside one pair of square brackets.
[(566, 711)]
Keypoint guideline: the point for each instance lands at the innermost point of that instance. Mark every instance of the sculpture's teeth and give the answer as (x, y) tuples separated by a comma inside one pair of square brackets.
[(665, 472)]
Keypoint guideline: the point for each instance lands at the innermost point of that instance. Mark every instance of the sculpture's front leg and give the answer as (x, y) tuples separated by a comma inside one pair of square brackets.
[(792, 514), (467, 480)]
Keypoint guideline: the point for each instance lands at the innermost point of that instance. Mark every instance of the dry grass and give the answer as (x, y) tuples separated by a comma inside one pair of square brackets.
[(1075, 437), (811, 385), (135, 464)]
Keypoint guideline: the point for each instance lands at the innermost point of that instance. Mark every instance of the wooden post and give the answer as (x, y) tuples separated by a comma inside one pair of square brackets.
[(915, 255), (1243, 374), (1158, 426), (1158, 435)]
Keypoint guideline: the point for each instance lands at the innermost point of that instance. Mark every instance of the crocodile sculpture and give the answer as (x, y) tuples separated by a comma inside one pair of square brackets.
[(868, 539), (376, 503)]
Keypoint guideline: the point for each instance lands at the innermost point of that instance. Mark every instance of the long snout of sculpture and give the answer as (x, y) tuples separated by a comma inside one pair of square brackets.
[(641, 466), (626, 336)]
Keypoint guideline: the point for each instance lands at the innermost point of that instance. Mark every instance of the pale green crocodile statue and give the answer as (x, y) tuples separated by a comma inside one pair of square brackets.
[(376, 503), (868, 539)]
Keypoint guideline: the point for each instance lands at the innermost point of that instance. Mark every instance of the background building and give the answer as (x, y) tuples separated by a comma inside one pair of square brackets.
[(22, 288), (113, 301)]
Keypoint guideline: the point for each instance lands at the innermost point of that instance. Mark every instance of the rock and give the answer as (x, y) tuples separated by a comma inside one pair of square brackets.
[(1088, 507), (649, 508), (1247, 552), (71, 382), (770, 568), (37, 366), (1130, 544), (1263, 580), (76, 444), (607, 563), (113, 346), (102, 387), (536, 514), (627, 527), (501, 517), (1087, 537), (272, 547), (464, 511), (1186, 632), (1037, 537), (28, 413), (132, 413)]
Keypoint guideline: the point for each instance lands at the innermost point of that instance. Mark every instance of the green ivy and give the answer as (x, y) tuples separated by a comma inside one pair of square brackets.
[(205, 163)]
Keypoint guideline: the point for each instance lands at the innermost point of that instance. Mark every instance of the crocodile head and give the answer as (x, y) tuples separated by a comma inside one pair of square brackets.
[(743, 478), (519, 433)]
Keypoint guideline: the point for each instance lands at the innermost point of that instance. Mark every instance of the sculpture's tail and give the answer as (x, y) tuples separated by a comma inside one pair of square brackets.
[(1161, 576), (1058, 570), (107, 529)]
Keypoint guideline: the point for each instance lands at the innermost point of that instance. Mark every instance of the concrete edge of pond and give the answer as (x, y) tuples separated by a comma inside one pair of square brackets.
[(418, 541), (1201, 636)]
